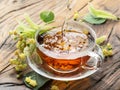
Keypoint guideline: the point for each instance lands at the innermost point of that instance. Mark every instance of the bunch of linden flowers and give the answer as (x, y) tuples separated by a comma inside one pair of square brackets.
[(107, 49), (24, 35)]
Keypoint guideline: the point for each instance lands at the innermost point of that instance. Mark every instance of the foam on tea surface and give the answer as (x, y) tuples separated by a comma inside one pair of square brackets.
[(70, 42), (60, 51)]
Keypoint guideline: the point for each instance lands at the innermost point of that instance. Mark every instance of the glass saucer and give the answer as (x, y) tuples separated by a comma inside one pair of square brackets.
[(41, 68)]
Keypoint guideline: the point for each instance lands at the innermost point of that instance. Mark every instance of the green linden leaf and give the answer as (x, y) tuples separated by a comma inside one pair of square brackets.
[(39, 79), (30, 22), (47, 16), (43, 31), (101, 14), (45, 28), (92, 20)]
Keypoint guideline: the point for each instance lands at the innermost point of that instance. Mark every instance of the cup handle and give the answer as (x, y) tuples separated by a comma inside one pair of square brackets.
[(96, 59)]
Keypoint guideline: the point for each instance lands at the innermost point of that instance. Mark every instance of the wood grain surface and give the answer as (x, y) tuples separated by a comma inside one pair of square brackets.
[(107, 78)]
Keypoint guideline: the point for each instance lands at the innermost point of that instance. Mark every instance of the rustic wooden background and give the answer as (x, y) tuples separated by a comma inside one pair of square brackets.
[(107, 78)]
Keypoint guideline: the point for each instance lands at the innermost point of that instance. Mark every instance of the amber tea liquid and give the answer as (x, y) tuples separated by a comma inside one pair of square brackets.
[(67, 45)]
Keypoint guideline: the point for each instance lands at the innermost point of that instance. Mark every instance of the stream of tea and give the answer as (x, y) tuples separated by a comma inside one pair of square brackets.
[(64, 26)]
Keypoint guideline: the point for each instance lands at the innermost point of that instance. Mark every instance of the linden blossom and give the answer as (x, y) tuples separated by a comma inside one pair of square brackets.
[(24, 34)]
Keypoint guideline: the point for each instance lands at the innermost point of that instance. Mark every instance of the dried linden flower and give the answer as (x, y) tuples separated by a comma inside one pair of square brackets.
[(30, 81), (33, 83), (13, 32), (54, 87), (76, 16), (14, 61), (85, 31), (31, 41), (17, 52), (107, 50), (109, 46), (22, 56)]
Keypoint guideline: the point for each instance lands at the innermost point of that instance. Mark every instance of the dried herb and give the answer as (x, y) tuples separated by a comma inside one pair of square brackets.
[(39, 79)]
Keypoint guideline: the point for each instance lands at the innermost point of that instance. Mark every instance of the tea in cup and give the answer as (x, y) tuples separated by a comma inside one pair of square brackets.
[(69, 50)]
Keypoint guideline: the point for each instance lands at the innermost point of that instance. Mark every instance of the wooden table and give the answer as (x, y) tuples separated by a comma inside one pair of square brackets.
[(107, 78)]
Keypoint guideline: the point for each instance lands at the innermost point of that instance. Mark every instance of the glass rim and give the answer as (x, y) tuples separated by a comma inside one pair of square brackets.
[(68, 55)]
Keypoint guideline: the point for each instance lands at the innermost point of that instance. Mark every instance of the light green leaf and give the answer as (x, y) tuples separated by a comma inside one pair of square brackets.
[(39, 79), (45, 28), (101, 14), (43, 31), (90, 19), (24, 30), (23, 26), (30, 22), (47, 16)]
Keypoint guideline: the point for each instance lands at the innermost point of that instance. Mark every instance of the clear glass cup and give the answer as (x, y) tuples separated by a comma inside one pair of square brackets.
[(67, 66)]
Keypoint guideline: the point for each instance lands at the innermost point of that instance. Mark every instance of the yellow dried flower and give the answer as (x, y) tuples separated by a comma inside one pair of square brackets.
[(22, 56), (33, 83), (54, 87), (16, 52), (109, 46), (28, 79), (11, 32), (76, 16), (31, 41), (86, 31), (14, 61)]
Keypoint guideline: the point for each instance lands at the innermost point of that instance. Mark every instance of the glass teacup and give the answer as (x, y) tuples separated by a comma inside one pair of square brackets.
[(71, 53), (69, 50)]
